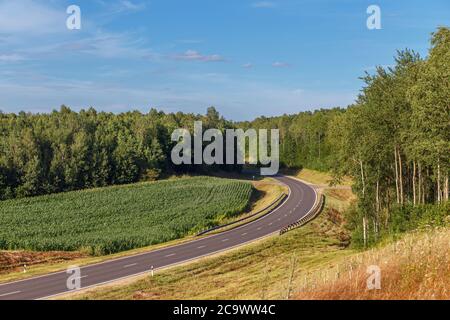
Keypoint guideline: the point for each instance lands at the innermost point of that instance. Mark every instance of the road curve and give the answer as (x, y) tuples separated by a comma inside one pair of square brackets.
[(300, 201)]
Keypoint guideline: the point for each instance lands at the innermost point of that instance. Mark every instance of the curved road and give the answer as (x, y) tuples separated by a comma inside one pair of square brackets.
[(300, 201)]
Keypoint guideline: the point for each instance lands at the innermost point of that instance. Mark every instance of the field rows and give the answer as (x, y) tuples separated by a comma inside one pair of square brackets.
[(114, 219)]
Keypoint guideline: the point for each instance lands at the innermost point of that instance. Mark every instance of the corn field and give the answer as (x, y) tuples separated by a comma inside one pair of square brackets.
[(114, 219)]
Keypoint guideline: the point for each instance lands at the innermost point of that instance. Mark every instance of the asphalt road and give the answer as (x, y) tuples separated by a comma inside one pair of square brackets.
[(300, 201)]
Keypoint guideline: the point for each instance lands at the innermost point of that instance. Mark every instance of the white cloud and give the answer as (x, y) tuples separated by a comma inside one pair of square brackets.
[(108, 45), (26, 16), (132, 6), (190, 41), (279, 64), (192, 55), (11, 58), (234, 99), (121, 6), (264, 4)]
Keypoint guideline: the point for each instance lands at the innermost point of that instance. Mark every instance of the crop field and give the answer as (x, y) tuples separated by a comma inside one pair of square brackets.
[(114, 219)]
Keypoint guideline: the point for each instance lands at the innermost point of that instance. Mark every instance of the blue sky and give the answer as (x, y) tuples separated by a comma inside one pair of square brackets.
[(247, 58)]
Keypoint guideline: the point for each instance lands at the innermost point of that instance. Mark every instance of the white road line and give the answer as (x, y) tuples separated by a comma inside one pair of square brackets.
[(201, 247), (170, 255), (10, 293), (224, 240), (244, 234), (259, 228), (130, 265), (270, 224)]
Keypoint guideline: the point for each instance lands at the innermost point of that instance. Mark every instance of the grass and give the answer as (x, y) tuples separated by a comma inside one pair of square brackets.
[(38, 263), (114, 219)]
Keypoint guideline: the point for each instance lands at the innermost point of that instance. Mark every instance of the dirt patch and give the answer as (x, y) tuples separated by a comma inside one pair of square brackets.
[(331, 224), (335, 216), (142, 295), (15, 260)]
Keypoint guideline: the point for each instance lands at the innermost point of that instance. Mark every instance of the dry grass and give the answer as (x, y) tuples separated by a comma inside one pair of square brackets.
[(15, 260), (318, 177), (416, 267)]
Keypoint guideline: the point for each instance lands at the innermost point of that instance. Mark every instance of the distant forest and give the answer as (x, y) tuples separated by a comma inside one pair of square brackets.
[(394, 142)]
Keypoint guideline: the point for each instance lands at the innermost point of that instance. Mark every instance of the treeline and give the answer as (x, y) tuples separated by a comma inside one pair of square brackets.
[(394, 142), (67, 150), (304, 140)]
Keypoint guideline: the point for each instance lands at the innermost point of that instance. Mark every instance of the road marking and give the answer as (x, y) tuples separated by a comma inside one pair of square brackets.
[(270, 223), (170, 255), (259, 228), (130, 265), (225, 240), (10, 293), (244, 234), (201, 247)]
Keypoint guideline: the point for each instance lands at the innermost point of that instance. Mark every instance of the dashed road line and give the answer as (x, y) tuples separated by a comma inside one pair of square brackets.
[(130, 265), (10, 293)]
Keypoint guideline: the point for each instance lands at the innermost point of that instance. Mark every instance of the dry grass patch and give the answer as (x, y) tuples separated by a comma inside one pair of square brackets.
[(15, 260), (318, 177), (416, 267)]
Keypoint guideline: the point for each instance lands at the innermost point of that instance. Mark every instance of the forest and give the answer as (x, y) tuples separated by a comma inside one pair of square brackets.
[(394, 142), (67, 150)]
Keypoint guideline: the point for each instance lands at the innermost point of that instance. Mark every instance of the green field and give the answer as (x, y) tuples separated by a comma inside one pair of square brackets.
[(119, 218)]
